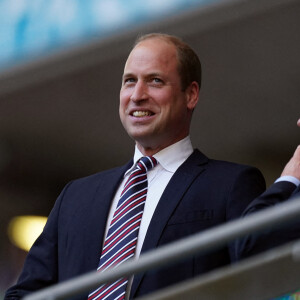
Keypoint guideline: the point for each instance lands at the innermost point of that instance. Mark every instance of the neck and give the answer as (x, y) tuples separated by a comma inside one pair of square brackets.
[(151, 150)]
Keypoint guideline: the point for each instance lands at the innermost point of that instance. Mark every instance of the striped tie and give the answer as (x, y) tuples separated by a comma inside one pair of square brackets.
[(122, 234)]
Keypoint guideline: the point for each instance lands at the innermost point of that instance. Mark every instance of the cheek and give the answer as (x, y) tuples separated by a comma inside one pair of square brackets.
[(169, 104), (163, 99), (122, 108), (174, 112), (124, 100)]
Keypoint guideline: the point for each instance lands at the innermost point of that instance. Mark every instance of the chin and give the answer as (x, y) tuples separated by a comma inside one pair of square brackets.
[(140, 133), (145, 140)]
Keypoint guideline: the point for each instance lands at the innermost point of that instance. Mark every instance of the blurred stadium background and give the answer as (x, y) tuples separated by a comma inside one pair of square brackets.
[(61, 63)]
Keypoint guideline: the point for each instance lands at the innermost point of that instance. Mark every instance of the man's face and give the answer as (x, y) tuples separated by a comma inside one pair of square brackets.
[(153, 108)]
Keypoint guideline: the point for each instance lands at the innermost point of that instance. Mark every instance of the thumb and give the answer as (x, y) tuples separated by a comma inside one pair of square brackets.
[(293, 166)]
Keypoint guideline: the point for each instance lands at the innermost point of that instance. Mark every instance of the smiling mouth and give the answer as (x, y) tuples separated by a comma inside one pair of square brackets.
[(141, 113)]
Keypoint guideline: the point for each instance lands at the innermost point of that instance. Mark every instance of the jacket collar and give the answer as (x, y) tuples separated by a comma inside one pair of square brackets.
[(173, 194)]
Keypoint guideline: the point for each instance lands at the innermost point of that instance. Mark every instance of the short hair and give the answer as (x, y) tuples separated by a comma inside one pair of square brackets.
[(189, 66)]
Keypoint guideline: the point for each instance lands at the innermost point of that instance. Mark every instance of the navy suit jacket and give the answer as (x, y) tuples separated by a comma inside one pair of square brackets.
[(201, 194), (258, 242)]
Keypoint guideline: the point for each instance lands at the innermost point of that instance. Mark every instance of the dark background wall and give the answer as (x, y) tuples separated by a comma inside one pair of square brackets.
[(59, 115)]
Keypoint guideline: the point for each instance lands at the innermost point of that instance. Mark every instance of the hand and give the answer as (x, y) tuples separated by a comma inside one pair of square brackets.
[(293, 166)]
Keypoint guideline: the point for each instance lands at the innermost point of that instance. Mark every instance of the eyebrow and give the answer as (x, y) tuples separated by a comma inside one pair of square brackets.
[(153, 74), (126, 75)]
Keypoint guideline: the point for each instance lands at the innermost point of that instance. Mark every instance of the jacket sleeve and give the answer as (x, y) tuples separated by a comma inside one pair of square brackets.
[(40, 267), (258, 242), (248, 184)]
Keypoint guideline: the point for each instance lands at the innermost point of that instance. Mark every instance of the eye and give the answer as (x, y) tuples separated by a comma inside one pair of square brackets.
[(128, 80), (157, 80)]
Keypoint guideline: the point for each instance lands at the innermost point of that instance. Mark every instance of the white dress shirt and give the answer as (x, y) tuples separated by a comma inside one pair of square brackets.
[(291, 179), (169, 160)]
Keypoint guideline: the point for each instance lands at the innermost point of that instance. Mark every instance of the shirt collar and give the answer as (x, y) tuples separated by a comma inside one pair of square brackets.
[(169, 158)]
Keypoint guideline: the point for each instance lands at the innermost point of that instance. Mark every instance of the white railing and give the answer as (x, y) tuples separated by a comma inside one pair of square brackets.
[(204, 241)]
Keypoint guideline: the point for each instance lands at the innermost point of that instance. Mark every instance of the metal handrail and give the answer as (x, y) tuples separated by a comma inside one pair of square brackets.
[(204, 241)]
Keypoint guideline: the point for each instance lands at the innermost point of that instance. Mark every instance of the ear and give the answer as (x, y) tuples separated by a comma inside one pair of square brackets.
[(192, 95)]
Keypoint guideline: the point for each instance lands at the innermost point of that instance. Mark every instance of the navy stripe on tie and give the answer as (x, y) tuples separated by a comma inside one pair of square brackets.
[(121, 239)]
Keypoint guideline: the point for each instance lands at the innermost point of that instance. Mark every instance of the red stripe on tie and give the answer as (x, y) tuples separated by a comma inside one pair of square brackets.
[(130, 182), (130, 199), (132, 244), (121, 258), (119, 215), (121, 239), (121, 236), (113, 286), (138, 217)]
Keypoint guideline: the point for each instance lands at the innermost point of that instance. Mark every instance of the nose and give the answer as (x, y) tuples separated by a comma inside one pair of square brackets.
[(139, 92)]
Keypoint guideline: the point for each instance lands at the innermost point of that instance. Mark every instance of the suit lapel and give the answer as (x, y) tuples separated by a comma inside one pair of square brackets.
[(174, 192), (99, 210)]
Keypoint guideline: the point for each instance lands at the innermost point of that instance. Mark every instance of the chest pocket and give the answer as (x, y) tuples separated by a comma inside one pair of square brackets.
[(192, 216)]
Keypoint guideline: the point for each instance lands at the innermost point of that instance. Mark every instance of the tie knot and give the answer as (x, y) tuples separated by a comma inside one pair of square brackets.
[(146, 163)]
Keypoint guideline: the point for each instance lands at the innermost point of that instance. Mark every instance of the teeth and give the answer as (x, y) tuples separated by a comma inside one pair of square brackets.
[(140, 113)]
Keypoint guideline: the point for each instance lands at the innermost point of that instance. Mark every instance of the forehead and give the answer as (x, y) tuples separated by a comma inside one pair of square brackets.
[(153, 53)]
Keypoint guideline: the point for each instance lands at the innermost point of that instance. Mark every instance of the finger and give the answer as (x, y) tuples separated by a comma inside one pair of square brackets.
[(297, 154)]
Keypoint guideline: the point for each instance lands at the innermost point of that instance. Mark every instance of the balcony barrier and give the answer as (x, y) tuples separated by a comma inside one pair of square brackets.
[(198, 243)]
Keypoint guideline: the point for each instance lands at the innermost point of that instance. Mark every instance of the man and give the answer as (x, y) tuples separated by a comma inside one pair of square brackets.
[(187, 192), (285, 188)]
